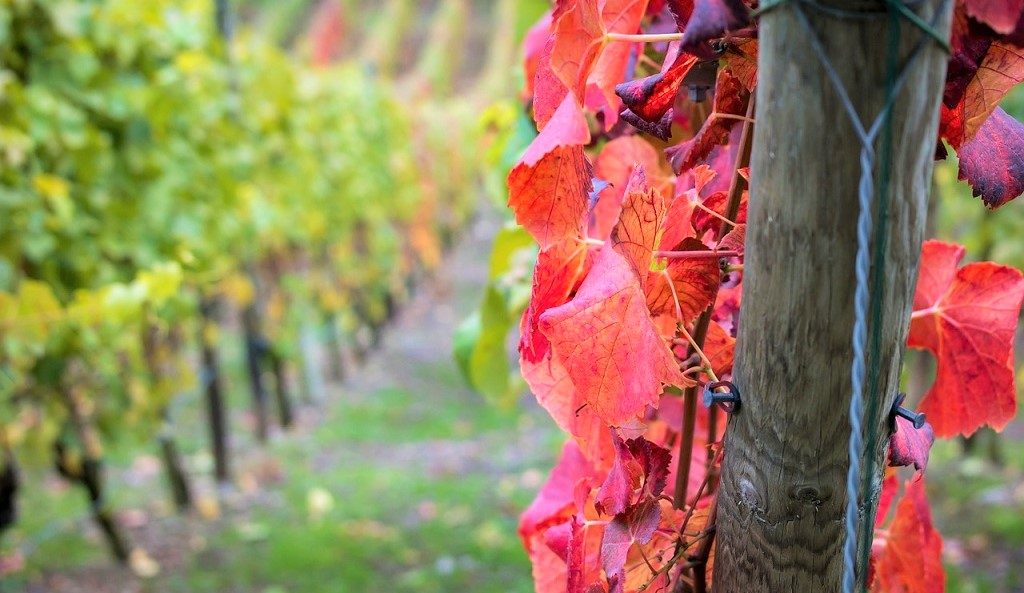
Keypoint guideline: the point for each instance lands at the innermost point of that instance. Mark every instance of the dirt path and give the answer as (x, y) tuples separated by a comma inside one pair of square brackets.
[(403, 478)]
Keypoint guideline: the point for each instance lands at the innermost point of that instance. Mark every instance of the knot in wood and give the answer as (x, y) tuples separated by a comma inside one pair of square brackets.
[(808, 494)]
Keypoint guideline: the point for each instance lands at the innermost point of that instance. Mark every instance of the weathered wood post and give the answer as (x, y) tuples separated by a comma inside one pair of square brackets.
[(781, 504)]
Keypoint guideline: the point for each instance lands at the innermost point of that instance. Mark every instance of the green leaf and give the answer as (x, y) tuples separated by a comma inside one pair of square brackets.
[(466, 337), (488, 364), (507, 243)]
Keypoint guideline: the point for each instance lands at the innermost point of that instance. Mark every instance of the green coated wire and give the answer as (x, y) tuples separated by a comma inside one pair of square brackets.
[(878, 290)]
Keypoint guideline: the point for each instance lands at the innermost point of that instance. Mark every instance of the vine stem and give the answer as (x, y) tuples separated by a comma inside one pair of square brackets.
[(673, 561), (717, 115), (643, 38), (695, 254), (700, 560), (701, 326), (689, 341), (714, 214), (681, 546), (644, 59), (700, 331)]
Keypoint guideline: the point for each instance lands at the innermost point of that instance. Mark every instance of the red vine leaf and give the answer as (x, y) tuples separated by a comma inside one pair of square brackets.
[(734, 240), (609, 345), (1001, 15), (677, 222), (550, 198), (966, 317), (703, 221), (618, 16), (548, 90), (720, 348), (550, 523), (711, 19), (565, 556), (556, 274), (968, 41), (741, 59), (554, 502), (567, 127), (534, 46), (910, 558), (638, 475), (579, 38), (1000, 68), (677, 225), (651, 97), (615, 164), (636, 233), (549, 570), (550, 383), (730, 99), (548, 188), (993, 161), (693, 282), (576, 558), (909, 445), (681, 11), (634, 526)]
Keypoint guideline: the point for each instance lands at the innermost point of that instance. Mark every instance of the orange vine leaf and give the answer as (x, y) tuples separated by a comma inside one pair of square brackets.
[(609, 344)]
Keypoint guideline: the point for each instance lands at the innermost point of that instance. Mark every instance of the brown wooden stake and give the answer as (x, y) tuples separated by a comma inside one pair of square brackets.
[(210, 378), (177, 478), (284, 402), (9, 484), (89, 473), (782, 496), (254, 350)]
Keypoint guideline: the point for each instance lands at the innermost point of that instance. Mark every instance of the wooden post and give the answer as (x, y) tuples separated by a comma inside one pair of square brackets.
[(9, 485), (781, 504), (211, 383), (89, 472), (254, 350), (157, 367), (284, 401)]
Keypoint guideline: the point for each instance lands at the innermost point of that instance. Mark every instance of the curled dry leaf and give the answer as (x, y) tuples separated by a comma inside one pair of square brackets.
[(650, 98), (638, 475), (909, 445), (993, 161)]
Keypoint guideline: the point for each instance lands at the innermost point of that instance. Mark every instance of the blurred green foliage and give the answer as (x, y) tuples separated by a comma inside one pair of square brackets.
[(145, 164)]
